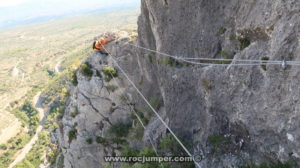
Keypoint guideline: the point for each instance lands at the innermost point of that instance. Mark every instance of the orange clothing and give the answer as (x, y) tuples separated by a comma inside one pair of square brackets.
[(98, 45), (103, 41)]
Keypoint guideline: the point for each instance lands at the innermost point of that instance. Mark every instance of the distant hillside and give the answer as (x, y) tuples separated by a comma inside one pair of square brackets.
[(36, 12), (29, 55)]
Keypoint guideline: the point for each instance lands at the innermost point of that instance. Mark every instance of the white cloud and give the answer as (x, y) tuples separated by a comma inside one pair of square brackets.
[(7, 3)]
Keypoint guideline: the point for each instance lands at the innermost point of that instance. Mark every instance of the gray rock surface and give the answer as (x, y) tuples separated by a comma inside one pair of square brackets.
[(254, 108), (93, 103)]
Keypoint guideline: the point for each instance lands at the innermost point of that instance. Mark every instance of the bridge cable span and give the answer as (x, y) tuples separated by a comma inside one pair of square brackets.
[(250, 62)]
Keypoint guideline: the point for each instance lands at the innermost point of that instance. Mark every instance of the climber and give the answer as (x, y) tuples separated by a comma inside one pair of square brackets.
[(98, 45)]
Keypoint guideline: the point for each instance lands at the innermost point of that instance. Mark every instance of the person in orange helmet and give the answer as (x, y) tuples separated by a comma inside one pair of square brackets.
[(98, 45)]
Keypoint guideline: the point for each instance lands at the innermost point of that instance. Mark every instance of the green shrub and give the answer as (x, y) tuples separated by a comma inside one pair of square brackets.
[(13, 146), (120, 129), (222, 30), (57, 111), (101, 140), (118, 141), (232, 37), (109, 73), (168, 144), (72, 134), (3, 147), (244, 43), (86, 70), (164, 61), (218, 62), (34, 157), (147, 152), (65, 93), (145, 120), (226, 55), (89, 140), (124, 97), (74, 78), (167, 141), (108, 166), (264, 67), (265, 58), (28, 115), (289, 164), (168, 61), (218, 141), (129, 152), (98, 74), (150, 57)]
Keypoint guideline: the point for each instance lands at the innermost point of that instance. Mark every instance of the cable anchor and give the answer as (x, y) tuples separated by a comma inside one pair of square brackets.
[(283, 64)]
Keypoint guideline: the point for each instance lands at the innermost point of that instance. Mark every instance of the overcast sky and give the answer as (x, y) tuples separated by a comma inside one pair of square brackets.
[(13, 11)]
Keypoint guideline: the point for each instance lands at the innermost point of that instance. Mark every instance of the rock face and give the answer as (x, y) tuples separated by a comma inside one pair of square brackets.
[(255, 106), (95, 105), (231, 115)]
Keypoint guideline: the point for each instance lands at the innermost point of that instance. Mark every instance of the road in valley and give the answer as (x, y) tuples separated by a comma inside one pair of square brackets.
[(42, 114)]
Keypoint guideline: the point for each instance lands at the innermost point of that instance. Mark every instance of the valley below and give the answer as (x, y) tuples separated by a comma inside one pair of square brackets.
[(34, 56)]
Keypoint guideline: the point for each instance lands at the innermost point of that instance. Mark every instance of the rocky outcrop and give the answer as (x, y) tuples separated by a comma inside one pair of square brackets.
[(230, 115), (95, 105)]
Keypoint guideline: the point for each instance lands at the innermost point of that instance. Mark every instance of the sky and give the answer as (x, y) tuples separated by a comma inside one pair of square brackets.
[(16, 12), (5, 3)]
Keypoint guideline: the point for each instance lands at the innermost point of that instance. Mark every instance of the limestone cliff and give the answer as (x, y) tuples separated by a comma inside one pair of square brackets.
[(256, 106), (231, 115)]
